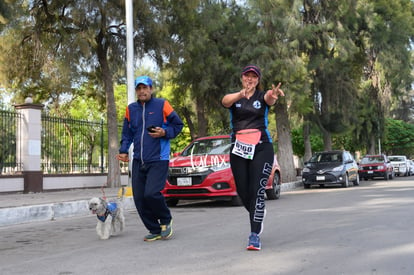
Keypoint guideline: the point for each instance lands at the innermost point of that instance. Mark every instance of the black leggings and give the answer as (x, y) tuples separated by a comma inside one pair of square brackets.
[(251, 178)]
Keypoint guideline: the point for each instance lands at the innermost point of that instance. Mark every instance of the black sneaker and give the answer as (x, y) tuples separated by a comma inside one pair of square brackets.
[(254, 242), (166, 230)]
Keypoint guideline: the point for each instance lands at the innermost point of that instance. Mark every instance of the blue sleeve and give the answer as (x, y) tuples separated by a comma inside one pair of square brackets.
[(175, 125), (126, 138)]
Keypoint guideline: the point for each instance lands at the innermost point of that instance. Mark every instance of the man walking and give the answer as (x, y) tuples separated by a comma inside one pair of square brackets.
[(149, 124)]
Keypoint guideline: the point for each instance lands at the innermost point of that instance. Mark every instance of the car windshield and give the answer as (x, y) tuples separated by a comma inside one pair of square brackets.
[(372, 159), (396, 159), (326, 157), (208, 147)]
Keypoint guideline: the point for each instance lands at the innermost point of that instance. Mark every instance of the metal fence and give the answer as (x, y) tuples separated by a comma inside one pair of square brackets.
[(73, 146), (68, 146), (8, 141)]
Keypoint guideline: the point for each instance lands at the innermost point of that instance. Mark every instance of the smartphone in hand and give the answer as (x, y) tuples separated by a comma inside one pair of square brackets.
[(151, 129)]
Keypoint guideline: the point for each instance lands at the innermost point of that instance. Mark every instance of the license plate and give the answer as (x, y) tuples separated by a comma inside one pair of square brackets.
[(320, 177), (184, 181), (370, 172)]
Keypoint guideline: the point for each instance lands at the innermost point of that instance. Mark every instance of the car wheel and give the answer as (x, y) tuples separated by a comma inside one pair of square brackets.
[(346, 183), (236, 201), (306, 185), (356, 182), (172, 202), (274, 193)]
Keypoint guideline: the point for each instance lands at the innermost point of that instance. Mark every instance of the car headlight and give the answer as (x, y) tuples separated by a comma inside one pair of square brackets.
[(380, 167), (197, 169), (306, 170), (220, 167), (338, 168)]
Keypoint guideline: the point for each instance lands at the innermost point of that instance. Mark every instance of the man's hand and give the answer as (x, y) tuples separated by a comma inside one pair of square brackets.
[(157, 132), (122, 157)]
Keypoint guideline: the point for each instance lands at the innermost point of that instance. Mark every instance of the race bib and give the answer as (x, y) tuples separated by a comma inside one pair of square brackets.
[(243, 150), (246, 141)]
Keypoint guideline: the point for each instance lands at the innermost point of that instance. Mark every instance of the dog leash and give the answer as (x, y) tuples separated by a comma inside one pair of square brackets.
[(117, 172)]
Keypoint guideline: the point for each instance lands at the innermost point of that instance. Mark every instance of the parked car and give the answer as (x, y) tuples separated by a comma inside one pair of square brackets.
[(400, 165), (202, 171), (375, 166), (330, 167), (410, 167)]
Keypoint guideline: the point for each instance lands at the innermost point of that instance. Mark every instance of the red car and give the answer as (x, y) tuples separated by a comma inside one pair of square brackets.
[(375, 166), (202, 171)]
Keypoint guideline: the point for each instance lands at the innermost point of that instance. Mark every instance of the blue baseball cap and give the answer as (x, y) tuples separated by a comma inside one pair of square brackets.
[(143, 80)]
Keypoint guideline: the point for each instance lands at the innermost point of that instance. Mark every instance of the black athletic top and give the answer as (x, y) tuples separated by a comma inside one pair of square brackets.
[(250, 113)]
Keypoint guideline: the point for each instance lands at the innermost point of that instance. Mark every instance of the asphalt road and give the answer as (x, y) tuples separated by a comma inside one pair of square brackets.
[(357, 230)]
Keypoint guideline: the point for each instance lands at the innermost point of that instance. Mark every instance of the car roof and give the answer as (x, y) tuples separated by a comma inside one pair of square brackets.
[(212, 137), (331, 151)]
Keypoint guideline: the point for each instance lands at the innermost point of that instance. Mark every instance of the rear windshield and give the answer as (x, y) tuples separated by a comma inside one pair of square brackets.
[(372, 159), (397, 158), (209, 147)]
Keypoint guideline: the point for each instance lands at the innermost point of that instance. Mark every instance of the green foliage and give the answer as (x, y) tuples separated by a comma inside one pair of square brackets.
[(298, 142), (399, 138)]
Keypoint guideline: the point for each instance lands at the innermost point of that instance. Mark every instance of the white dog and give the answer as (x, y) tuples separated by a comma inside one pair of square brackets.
[(108, 214)]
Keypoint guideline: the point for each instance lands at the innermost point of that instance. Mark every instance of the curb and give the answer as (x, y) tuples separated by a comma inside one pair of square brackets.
[(52, 211), (291, 185), (49, 212)]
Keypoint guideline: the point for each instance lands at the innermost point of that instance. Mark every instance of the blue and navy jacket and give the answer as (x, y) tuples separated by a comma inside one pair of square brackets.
[(156, 112)]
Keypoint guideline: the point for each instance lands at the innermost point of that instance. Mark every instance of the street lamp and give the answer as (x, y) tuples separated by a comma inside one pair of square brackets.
[(130, 50)]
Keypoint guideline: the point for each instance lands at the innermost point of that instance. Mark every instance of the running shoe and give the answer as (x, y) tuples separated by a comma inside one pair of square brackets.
[(254, 242), (152, 237), (166, 230)]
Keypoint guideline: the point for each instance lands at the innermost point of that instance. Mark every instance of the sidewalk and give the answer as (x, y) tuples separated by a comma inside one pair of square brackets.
[(24, 208), (19, 208)]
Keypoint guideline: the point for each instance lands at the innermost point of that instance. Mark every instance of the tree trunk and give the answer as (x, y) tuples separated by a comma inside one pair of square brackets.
[(285, 150), (188, 118), (306, 140), (201, 117), (371, 148), (327, 140), (114, 176)]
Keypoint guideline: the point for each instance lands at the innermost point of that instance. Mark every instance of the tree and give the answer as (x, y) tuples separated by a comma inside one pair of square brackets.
[(384, 34), (66, 43), (212, 36), (334, 64), (399, 138)]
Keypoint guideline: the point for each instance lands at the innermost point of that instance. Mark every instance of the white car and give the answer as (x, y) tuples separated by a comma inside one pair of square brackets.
[(400, 165), (410, 167)]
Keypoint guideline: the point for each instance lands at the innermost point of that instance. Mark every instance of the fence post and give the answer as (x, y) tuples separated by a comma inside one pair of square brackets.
[(29, 144)]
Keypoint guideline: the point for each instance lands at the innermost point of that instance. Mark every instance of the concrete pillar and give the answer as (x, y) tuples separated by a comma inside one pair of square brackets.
[(29, 145)]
